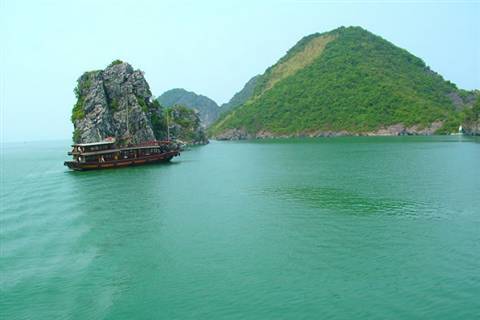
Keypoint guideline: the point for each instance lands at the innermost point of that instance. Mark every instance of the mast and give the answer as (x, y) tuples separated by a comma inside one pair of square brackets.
[(168, 128), (128, 131)]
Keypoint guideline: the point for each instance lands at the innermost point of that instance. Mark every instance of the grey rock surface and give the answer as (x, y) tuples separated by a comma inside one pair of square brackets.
[(393, 130), (115, 102)]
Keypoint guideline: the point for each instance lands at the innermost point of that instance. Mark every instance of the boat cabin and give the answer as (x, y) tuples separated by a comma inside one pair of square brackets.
[(108, 154), (79, 148)]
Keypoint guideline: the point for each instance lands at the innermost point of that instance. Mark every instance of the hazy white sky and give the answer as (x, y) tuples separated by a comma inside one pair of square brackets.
[(210, 47)]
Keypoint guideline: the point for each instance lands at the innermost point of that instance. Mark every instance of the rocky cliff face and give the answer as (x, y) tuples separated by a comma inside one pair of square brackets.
[(472, 128), (471, 123), (117, 102)]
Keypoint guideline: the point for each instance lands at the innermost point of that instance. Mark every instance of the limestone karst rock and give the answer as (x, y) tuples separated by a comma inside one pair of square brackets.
[(116, 102)]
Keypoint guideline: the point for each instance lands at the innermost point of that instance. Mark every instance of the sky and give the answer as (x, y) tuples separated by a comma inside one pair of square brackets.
[(209, 47)]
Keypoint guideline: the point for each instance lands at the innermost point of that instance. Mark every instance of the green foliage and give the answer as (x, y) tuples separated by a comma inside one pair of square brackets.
[(78, 111), (113, 104), (451, 124), (159, 126), (185, 124), (467, 118), (182, 116), (473, 115), (76, 91), (143, 104), (292, 63), (471, 123), (359, 83), (76, 136), (83, 84), (115, 62), (242, 96), (207, 107), (156, 104), (158, 120)]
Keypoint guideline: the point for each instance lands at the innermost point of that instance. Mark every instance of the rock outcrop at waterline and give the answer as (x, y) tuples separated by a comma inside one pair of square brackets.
[(471, 122), (393, 130), (117, 102), (472, 128)]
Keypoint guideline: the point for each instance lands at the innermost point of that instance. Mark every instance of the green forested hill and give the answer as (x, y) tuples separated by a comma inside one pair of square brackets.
[(347, 80)]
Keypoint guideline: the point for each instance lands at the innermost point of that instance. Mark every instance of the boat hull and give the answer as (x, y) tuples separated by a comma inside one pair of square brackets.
[(79, 166)]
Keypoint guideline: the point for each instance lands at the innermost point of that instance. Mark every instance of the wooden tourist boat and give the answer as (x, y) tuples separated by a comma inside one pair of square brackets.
[(105, 154)]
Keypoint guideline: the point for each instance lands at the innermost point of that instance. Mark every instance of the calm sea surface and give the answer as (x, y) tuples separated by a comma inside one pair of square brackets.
[(339, 228)]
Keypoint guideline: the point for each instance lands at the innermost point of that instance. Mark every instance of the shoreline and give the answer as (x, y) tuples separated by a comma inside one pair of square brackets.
[(392, 130), (284, 137)]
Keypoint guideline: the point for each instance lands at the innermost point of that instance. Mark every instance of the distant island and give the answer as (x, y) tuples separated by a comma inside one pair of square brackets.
[(347, 82), (117, 102), (208, 109)]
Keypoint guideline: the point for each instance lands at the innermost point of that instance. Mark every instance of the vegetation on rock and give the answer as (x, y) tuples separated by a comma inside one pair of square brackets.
[(208, 109), (471, 120), (184, 124), (115, 62), (83, 84), (117, 102), (77, 112), (347, 80)]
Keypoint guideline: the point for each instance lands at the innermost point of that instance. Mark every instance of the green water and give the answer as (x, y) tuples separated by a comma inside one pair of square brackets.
[(340, 228)]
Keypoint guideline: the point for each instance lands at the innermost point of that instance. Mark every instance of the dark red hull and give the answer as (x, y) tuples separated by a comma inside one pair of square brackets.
[(81, 166)]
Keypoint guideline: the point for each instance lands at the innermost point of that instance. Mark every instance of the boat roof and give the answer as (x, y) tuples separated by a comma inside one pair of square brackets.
[(93, 153), (93, 143)]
